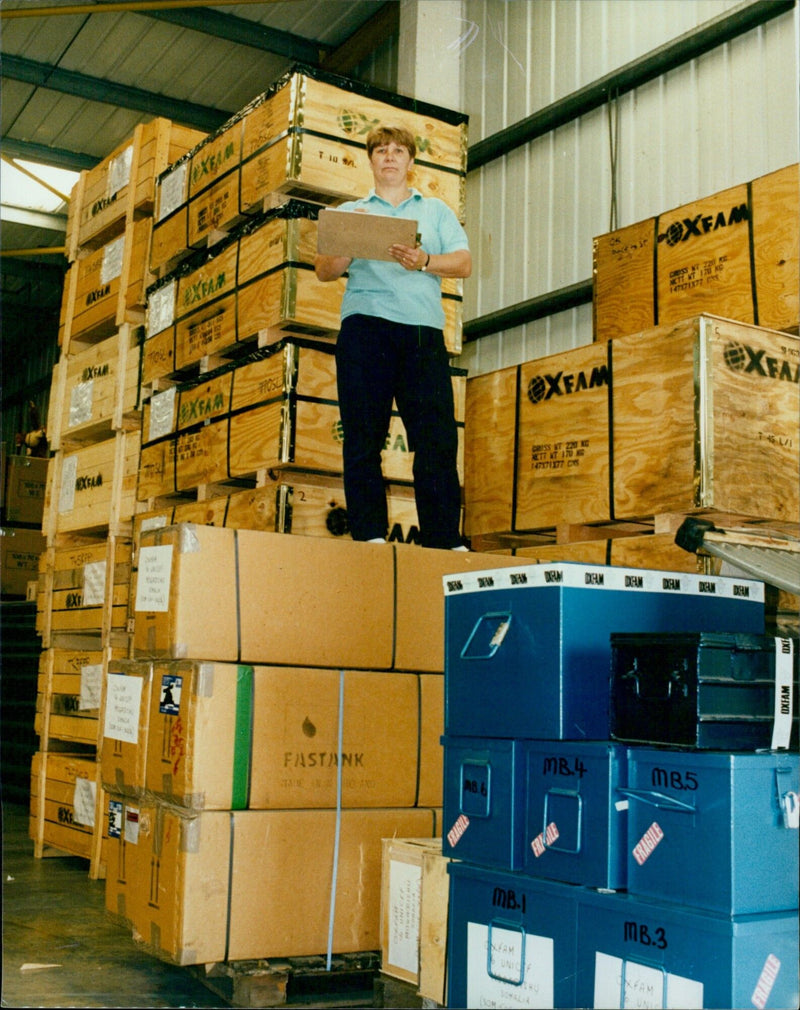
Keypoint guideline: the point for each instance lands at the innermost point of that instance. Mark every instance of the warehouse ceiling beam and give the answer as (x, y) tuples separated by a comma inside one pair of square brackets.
[(365, 40), (98, 89), (120, 6), (243, 33), (687, 47), (549, 304), (33, 218), (56, 156)]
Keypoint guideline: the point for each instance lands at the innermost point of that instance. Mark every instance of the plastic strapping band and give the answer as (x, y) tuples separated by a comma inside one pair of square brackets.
[(655, 271), (231, 822), (610, 364), (394, 607), (752, 251), (515, 455), (238, 596), (338, 828), (419, 737), (242, 738)]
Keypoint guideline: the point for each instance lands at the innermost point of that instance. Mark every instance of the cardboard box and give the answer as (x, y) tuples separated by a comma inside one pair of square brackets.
[(121, 894), (24, 482), (733, 254), (20, 550), (126, 724), (295, 601), (401, 903), (237, 885)]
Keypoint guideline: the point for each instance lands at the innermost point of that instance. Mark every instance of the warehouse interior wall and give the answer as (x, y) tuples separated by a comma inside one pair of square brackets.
[(716, 121)]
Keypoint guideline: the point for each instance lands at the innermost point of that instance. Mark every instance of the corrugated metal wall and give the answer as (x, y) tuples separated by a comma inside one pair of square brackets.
[(719, 120)]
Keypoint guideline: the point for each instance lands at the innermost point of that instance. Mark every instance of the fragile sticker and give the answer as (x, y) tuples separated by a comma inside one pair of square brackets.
[(647, 843), (457, 830), (543, 839), (766, 981)]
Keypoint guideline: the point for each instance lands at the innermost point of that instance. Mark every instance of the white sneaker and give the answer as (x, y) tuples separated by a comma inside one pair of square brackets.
[(460, 547), (377, 540)]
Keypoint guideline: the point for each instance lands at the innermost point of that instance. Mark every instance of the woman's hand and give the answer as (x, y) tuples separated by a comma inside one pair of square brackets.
[(409, 257)]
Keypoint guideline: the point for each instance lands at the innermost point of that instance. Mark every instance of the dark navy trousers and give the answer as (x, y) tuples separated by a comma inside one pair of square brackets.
[(378, 361)]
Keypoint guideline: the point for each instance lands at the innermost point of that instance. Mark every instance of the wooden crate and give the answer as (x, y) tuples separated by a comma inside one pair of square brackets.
[(92, 490), (276, 409), (733, 254), (95, 391), (701, 416), (69, 694), (24, 480), (303, 138), (84, 590), (106, 197), (20, 550), (68, 809), (106, 288), (657, 551)]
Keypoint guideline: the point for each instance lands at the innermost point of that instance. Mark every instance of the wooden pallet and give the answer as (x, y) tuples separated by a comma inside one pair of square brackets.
[(294, 981)]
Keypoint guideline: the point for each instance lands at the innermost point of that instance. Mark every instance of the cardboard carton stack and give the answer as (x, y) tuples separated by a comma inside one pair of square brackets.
[(280, 717), (22, 485), (94, 428)]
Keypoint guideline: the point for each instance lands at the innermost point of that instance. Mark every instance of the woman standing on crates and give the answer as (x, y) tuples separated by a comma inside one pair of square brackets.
[(391, 347)]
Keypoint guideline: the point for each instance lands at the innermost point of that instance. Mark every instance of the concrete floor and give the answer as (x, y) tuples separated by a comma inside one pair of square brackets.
[(53, 914)]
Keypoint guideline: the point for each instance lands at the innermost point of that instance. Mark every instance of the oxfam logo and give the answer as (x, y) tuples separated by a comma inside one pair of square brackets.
[(674, 233), (736, 357), (337, 431), (537, 388)]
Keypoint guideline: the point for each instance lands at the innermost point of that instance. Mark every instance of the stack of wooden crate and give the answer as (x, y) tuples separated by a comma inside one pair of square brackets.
[(241, 422), (686, 402), (94, 427)]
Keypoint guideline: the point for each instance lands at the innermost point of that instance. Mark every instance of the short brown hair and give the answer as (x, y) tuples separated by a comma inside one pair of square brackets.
[(379, 135)]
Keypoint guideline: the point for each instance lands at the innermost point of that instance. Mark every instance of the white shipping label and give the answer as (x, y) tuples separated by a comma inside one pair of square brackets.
[(172, 190), (69, 474), (784, 700), (123, 705), (119, 171), (83, 802), (405, 892), (525, 960), (153, 523), (644, 986), (131, 829), (91, 686), (161, 309), (94, 584), (162, 413), (112, 260), (152, 583), (80, 403)]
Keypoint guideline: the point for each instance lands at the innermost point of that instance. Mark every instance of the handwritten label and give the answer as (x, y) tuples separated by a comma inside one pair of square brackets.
[(162, 413), (161, 309), (112, 260), (80, 403), (644, 986), (499, 976), (94, 584), (69, 474), (123, 706), (153, 582)]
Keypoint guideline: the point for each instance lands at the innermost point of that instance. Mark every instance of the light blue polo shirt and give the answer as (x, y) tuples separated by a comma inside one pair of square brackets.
[(383, 288)]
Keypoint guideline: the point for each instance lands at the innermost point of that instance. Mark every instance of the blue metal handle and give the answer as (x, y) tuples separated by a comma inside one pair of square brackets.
[(579, 833), (512, 927), (659, 800), (487, 636)]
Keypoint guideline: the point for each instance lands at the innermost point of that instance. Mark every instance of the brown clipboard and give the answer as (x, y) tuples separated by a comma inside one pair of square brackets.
[(362, 236)]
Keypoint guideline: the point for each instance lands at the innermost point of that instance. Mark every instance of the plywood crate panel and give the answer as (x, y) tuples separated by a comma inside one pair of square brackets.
[(107, 288), (275, 409), (69, 694), (306, 504), (68, 808), (303, 138), (95, 391), (106, 196), (92, 489), (86, 590), (732, 254)]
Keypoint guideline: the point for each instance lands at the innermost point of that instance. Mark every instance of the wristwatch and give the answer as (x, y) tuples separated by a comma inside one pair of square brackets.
[(424, 267)]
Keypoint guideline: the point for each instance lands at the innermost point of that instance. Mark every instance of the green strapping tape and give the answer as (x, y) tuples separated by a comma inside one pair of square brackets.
[(242, 738)]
